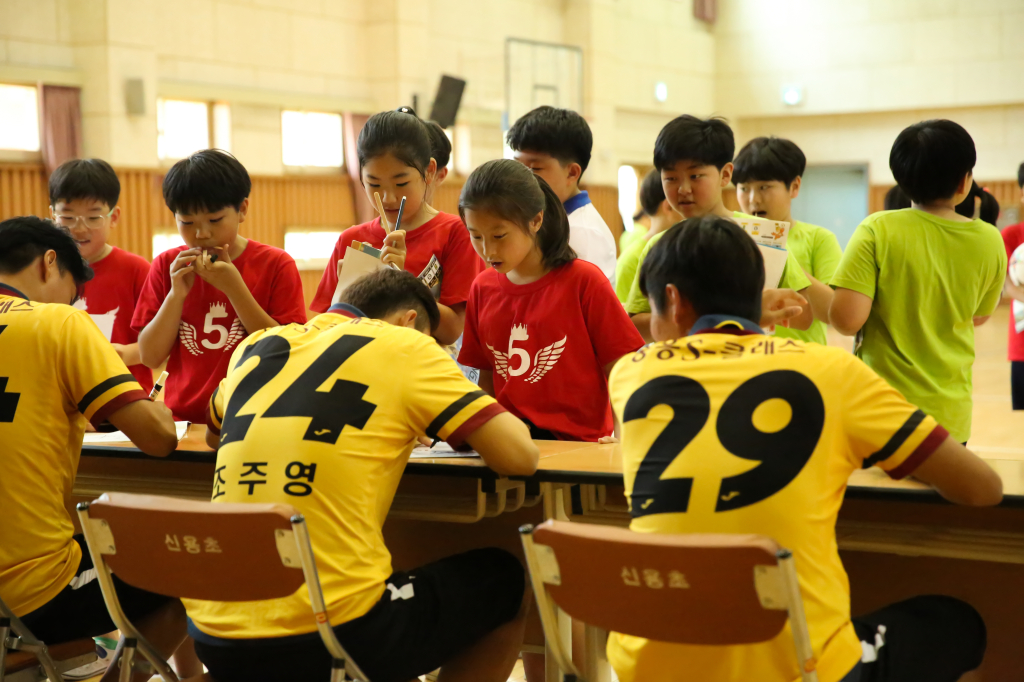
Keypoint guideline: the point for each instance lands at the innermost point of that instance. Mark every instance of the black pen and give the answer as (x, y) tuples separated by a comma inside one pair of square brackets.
[(401, 210)]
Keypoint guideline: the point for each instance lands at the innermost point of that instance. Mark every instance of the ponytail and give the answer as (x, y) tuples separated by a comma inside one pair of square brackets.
[(511, 191)]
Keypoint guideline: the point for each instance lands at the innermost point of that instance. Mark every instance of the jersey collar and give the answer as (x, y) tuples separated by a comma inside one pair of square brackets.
[(725, 324), (7, 290), (578, 201), (346, 310)]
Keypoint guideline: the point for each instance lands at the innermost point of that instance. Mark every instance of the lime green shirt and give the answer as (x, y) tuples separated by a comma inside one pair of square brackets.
[(635, 234), (626, 267), (929, 278), (817, 251), (792, 276)]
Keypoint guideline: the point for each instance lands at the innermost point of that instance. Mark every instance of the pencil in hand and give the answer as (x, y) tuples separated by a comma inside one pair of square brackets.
[(383, 216)]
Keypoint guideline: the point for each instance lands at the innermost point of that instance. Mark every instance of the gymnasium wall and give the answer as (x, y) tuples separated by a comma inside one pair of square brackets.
[(868, 69), (353, 55)]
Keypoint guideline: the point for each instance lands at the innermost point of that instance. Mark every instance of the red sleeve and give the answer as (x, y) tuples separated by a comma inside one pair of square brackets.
[(461, 266), (329, 280), (611, 331), (287, 304), (1012, 238), (154, 291), (472, 353)]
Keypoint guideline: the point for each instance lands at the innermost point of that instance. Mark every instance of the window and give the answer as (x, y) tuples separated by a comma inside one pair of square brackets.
[(182, 128), (629, 186), (19, 118), (310, 138), (310, 247), (163, 241), (222, 126)]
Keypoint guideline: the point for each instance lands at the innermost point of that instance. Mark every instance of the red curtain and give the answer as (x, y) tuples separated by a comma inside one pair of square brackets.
[(61, 127), (352, 124)]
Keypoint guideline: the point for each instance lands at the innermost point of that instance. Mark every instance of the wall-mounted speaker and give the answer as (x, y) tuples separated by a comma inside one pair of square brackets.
[(447, 101)]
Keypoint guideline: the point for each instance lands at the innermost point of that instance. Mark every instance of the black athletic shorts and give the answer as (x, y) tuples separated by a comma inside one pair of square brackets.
[(79, 611), (1017, 384), (925, 639), (424, 619)]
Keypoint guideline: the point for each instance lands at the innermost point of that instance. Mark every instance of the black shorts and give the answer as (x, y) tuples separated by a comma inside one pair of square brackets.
[(1017, 384), (79, 611), (424, 619), (928, 638)]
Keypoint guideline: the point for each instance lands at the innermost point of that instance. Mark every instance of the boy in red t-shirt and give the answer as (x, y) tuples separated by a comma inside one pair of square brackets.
[(201, 299), (1013, 236), (83, 199)]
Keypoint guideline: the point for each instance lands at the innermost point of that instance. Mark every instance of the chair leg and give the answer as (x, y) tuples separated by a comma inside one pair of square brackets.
[(5, 631), (337, 670), (46, 661), (127, 660)]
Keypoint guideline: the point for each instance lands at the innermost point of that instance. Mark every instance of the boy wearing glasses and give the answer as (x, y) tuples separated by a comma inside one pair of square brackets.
[(83, 199)]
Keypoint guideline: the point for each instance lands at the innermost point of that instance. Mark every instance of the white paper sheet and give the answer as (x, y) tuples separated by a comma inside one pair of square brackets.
[(356, 264), (442, 449), (118, 436)]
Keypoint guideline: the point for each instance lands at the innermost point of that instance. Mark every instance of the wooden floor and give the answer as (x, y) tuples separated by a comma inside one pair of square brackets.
[(997, 429)]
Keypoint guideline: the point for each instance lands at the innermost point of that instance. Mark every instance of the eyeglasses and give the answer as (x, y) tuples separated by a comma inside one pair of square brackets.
[(91, 222)]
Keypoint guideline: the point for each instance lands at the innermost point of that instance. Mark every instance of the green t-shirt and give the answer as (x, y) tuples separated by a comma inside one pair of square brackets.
[(626, 267), (817, 251), (792, 276), (929, 278), (635, 234)]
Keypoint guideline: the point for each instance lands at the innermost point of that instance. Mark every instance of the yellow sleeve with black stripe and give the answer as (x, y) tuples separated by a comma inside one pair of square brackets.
[(884, 428), (440, 401), (92, 373)]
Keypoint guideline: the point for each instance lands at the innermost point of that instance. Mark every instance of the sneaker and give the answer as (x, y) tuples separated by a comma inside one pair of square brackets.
[(104, 652)]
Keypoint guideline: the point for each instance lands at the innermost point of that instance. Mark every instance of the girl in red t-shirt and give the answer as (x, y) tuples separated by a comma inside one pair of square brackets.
[(395, 161), (544, 327)]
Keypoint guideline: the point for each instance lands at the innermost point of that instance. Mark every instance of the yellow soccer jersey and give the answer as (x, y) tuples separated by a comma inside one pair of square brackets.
[(56, 371), (732, 431), (323, 416)]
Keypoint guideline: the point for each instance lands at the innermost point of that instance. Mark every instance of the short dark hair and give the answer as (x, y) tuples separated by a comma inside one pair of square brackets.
[(989, 205), (930, 158), (688, 138), (399, 133), (562, 133), (206, 181), (383, 292), (26, 238), (85, 179), (652, 193), (1020, 176), (440, 145), (715, 265), (895, 199), (769, 158), (509, 190)]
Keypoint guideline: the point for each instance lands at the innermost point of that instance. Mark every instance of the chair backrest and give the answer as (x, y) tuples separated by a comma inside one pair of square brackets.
[(198, 550), (695, 589)]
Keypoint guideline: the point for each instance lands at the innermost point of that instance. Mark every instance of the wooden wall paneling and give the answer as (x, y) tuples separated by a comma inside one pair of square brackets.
[(1006, 192), (23, 191), (446, 197), (606, 200)]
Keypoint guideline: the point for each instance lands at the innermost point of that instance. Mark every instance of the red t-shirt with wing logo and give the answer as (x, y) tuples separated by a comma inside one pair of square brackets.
[(547, 343), (438, 252), (209, 328), (1013, 236), (110, 298)]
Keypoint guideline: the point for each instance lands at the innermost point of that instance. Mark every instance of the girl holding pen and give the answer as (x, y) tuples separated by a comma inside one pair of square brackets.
[(395, 161)]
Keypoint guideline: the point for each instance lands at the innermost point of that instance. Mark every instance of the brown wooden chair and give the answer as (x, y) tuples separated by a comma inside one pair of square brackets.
[(24, 658), (201, 550), (686, 589)]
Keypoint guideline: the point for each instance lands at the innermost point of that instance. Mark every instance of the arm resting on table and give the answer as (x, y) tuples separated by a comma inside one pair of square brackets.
[(505, 446), (150, 426), (961, 476)]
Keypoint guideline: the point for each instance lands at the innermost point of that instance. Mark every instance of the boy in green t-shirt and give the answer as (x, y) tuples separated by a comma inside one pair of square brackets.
[(767, 174), (694, 159), (662, 217), (915, 282)]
